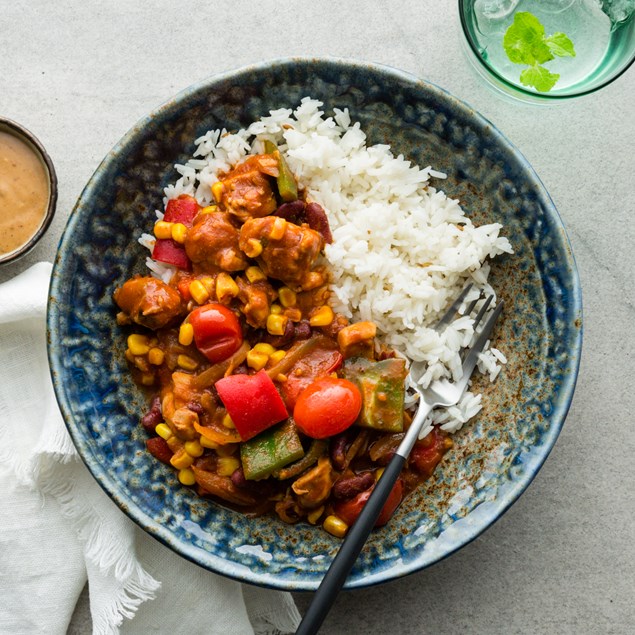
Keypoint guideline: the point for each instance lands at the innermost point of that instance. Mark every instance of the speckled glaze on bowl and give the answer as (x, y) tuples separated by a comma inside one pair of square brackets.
[(495, 457)]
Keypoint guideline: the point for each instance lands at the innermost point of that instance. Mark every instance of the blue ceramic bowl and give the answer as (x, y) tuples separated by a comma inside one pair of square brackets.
[(495, 457)]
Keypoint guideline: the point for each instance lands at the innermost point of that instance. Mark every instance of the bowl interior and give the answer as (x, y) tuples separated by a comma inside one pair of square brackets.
[(15, 129), (495, 456)]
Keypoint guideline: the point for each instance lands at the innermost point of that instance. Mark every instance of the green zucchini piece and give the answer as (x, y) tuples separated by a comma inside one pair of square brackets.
[(382, 385), (287, 187), (271, 450)]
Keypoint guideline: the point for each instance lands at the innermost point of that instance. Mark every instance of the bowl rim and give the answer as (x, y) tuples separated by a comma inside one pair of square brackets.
[(519, 92), (235, 570), (22, 133)]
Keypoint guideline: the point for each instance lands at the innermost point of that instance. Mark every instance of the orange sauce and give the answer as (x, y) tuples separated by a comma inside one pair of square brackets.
[(24, 192)]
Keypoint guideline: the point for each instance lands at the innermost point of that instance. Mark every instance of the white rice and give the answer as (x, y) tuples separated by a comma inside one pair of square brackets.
[(401, 251)]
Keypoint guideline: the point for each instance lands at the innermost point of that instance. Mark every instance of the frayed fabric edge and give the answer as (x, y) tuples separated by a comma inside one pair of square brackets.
[(138, 585)]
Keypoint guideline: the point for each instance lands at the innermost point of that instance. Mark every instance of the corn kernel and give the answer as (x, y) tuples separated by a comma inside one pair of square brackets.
[(217, 190), (181, 459), (186, 476), (210, 209), (293, 313), (228, 423), (254, 274), (287, 297), (186, 334), (276, 309), (276, 324), (193, 448), (163, 229), (130, 356), (312, 280), (142, 364), (209, 283), (174, 443), (199, 292), (379, 472), (179, 233), (276, 357), (226, 288), (227, 449), (208, 443), (257, 360), (147, 379), (335, 526), (138, 344), (227, 465), (253, 248), (314, 515), (322, 317), (186, 362), (281, 378), (163, 430), (263, 347), (156, 356), (278, 228)]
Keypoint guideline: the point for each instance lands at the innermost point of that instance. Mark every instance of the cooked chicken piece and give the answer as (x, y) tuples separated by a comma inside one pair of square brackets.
[(148, 302), (256, 298), (182, 424), (314, 487), (212, 242), (284, 251), (246, 191), (357, 340)]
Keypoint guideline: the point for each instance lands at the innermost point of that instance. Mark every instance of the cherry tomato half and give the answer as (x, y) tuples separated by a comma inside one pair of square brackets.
[(327, 407), (349, 510), (320, 362), (427, 453), (217, 332)]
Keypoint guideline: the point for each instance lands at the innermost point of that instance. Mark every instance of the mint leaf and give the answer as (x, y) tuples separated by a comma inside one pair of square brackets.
[(539, 77), (525, 43), (559, 44), (524, 40)]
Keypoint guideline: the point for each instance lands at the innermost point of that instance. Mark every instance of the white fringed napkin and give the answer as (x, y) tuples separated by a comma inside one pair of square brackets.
[(59, 530)]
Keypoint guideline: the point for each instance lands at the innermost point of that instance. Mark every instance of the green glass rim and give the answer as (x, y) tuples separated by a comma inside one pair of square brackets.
[(519, 89)]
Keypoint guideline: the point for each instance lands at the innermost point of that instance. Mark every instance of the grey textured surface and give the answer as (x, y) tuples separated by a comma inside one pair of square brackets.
[(79, 74)]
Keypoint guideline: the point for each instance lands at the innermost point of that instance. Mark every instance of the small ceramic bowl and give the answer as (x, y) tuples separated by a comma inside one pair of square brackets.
[(15, 129), (494, 458)]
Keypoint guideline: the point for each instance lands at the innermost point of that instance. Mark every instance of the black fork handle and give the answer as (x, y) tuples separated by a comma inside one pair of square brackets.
[(345, 559)]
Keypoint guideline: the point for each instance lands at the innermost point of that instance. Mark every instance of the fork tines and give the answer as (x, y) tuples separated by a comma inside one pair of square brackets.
[(447, 317)]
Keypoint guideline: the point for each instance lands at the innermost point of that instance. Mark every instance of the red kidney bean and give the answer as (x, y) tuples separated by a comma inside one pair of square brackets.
[(293, 211), (159, 449), (349, 487), (302, 330), (278, 341), (238, 478), (317, 220), (153, 417), (196, 407), (338, 451)]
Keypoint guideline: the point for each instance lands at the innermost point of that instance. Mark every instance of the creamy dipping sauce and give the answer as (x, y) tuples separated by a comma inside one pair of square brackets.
[(24, 192)]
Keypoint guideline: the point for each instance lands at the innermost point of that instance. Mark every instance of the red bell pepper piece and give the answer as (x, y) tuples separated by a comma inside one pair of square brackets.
[(181, 210), (183, 285), (169, 251), (252, 402), (178, 210)]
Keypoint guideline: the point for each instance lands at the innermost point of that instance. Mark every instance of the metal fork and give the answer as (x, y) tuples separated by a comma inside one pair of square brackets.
[(440, 393)]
